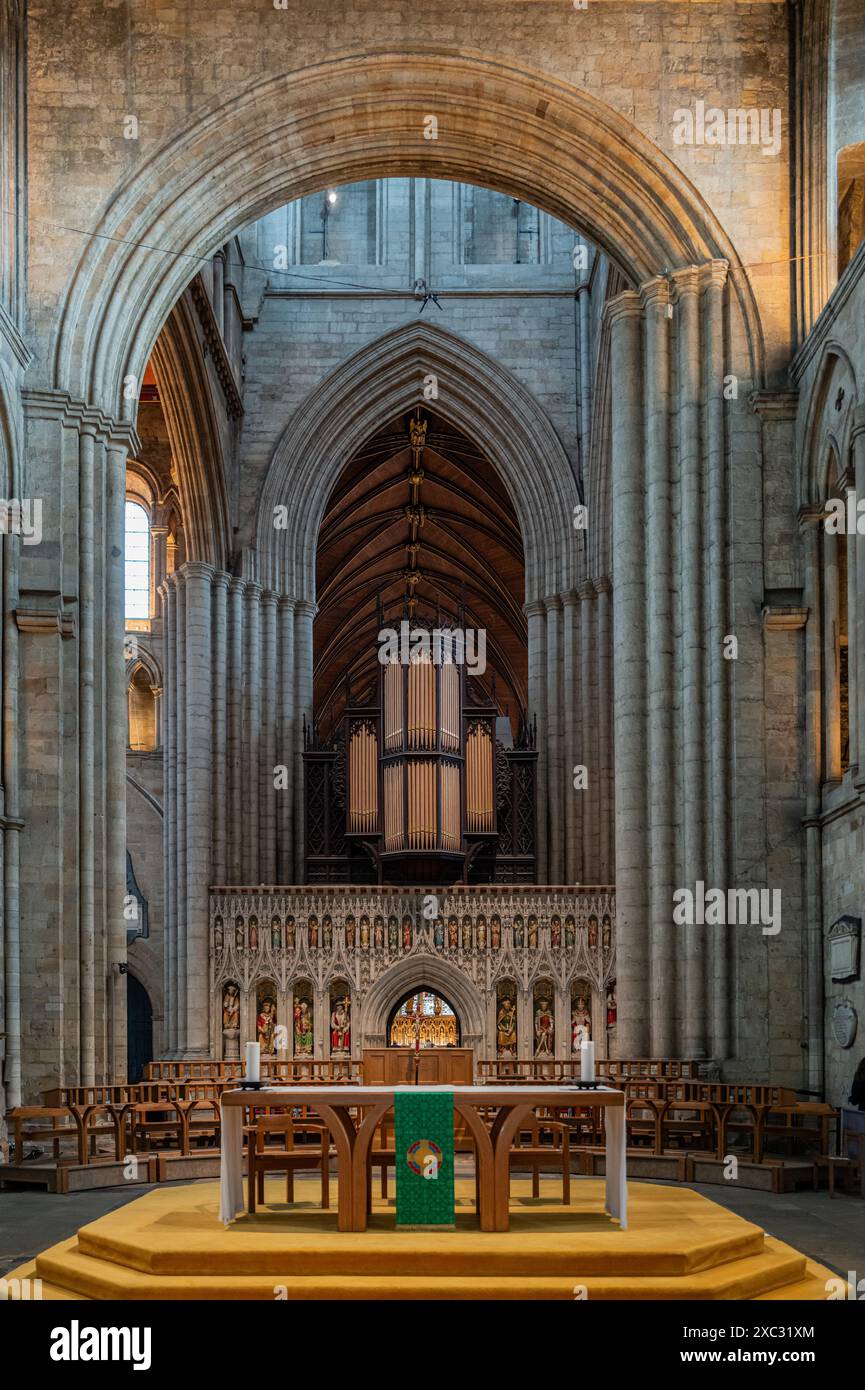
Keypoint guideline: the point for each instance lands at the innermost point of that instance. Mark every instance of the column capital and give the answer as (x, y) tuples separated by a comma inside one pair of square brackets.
[(196, 569), (286, 604), (586, 590), (604, 585), (270, 597), (305, 608), (570, 598), (221, 579), (627, 305), (656, 291), (774, 405), (253, 590), (553, 603), (535, 608)]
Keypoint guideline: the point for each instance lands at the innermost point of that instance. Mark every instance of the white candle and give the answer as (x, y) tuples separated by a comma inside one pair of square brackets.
[(253, 1061), (587, 1061)]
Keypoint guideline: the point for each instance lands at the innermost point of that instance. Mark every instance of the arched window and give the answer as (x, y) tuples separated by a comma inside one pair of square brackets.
[(142, 712), (137, 565)]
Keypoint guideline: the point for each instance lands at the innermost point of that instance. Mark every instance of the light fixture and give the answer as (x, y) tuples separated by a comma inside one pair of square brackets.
[(331, 197)]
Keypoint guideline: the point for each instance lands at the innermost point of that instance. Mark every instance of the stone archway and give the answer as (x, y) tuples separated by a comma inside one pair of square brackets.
[(362, 116), (422, 972)]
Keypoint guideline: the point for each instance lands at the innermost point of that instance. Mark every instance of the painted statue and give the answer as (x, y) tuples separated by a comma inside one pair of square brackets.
[(611, 1006), (556, 933), (364, 933), (496, 932), (265, 1025), (340, 1026), (506, 1028), (217, 933), (439, 934), (303, 1027), (593, 932), (230, 1007), (544, 1028), (253, 933), (467, 933), (453, 934), (533, 933), (276, 934), (378, 933), (238, 933), (289, 933), (327, 932), (606, 933), (312, 929), (349, 930), (570, 932), (519, 932), (482, 932), (406, 933), (392, 935), (581, 1023)]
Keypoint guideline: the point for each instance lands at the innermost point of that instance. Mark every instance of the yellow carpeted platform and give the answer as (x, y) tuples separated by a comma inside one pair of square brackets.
[(679, 1245)]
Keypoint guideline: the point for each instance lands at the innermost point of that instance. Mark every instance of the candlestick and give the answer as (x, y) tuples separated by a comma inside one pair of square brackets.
[(587, 1061), (253, 1061)]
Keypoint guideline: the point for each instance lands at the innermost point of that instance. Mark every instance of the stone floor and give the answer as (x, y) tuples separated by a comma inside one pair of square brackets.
[(830, 1231)]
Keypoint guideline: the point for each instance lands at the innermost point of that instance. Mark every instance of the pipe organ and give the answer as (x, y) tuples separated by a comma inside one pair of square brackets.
[(423, 786)]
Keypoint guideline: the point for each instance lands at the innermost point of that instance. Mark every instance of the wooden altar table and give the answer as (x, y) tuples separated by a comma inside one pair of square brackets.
[(353, 1113)]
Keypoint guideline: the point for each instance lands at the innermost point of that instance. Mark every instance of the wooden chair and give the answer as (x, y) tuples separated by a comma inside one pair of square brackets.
[(382, 1154), (851, 1159), (530, 1150), (263, 1157)]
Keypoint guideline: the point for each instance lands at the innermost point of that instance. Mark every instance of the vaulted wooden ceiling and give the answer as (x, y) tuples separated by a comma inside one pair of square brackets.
[(468, 551)]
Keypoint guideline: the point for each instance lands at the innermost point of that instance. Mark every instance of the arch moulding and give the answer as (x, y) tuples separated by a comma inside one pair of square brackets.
[(422, 972), (361, 116)]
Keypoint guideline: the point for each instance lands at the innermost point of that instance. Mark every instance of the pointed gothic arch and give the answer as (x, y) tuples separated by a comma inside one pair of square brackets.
[(382, 380)]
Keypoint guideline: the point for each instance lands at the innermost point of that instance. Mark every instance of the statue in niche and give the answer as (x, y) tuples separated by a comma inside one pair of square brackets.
[(482, 932), (611, 1005), (506, 1027), (217, 933), (265, 1024), (312, 932), (593, 932), (496, 932), (238, 933), (364, 933), (453, 933), (349, 930), (533, 933), (570, 932), (378, 933), (327, 932), (289, 933), (544, 1028), (406, 933), (581, 1022), (556, 933), (392, 934), (606, 933), (303, 1026), (253, 933), (519, 932), (439, 934), (467, 933), (340, 1026), (231, 1022), (276, 934)]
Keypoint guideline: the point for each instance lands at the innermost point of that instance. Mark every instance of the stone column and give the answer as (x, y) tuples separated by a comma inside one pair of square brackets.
[(269, 716), (10, 947), (629, 656), (536, 615), (180, 681), (86, 758), (286, 746), (589, 748), (584, 303), (852, 655), (660, 670), (115, 756), (168, 593), (158, 542), (694, 1040), (603, 589), (221, 582), (250, 771), (218, 300), (717, 714), (810, 522), (831, 672), (198, 580), (553, 738), (858, 613), (572, 698), (304, 615), (234, 829)]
